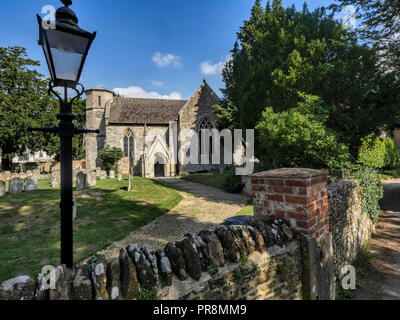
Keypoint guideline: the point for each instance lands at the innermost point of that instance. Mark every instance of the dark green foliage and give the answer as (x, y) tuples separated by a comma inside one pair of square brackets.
[(288, 59), (295, 139), (232, 183), (392, 155), (110, 157), (371, 191), (146, 294), (24, 102)]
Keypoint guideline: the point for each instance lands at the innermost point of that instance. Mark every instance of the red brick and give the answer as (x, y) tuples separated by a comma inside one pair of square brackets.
[(279, 214), (315, 197), (274, 182), (324, 194), (254, 181), (275, 197), (297, 215), (257, 188), (286, 190), (297, 183), (293, 199), (315, 212)]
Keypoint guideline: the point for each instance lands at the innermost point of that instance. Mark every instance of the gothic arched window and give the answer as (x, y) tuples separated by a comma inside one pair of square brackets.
[(129, 144), (206, 124)]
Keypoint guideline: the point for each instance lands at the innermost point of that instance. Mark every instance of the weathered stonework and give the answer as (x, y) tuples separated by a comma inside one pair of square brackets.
[(351, 228)]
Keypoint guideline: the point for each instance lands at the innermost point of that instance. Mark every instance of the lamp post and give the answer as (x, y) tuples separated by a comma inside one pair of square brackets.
[(65, 48)]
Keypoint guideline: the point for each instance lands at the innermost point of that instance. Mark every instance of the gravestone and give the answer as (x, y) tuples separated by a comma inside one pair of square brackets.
[(55, 179), (103, 175), (119, 175), (98, 172), (2, 188), (16, 186), (90, 179), (112, 174), (80, 181), (29, 173), (30, 185)]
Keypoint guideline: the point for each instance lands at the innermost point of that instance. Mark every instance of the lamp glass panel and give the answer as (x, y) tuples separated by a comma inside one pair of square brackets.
[(67, 51)]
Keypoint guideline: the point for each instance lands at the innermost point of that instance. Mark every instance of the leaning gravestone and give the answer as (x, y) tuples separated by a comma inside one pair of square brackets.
[(30, 185), (16, 186), (112, 174), (55, 179), (80, 181), (2, 188), (103, 175), (119, 175)]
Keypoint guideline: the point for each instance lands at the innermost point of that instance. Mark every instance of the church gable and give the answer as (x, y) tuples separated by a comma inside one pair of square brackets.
[(199, 106)]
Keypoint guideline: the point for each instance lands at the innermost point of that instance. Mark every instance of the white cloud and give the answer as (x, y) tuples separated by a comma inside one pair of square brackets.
[(157, 83), (163, 60), (209, 69), (138, 92)]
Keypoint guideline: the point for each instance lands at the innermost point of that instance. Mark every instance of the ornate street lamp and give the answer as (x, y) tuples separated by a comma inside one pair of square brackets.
[(65, 49)]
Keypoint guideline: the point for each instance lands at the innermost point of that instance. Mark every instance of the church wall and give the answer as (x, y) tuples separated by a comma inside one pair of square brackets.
[(115, 138), (95, 119), (198, 107)]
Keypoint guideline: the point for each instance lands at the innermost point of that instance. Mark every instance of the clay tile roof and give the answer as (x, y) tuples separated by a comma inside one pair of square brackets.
[(140, 111)]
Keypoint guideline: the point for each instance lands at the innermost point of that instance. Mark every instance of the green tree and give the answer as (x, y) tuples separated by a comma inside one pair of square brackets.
[(110, 157), (295, 139), (23, 103), (283, 57), (380, 27)]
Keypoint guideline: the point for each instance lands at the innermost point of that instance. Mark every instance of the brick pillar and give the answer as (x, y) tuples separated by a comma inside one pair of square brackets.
[(299, 196)]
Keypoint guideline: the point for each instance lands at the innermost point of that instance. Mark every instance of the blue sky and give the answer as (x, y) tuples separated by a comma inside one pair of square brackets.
[(159, 48)]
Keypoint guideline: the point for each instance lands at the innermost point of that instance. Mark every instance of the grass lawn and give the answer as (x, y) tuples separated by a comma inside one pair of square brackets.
[(246, 211), (30, 222), (210, 179)]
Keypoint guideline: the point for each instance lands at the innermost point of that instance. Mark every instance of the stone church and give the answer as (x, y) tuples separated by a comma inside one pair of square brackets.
[(142, 129)]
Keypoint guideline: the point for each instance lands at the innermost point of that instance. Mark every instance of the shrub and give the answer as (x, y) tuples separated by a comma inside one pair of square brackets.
[(184, 174), (231, 182), (371, 191), (392, 155), (110, 157), (372, 153), (294, 139)]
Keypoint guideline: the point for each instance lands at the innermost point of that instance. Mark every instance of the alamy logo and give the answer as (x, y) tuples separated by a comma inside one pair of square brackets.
[(348, 274), (207, 146), (49, 20)]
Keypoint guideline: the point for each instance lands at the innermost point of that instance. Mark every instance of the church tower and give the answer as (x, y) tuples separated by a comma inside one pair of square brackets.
[(97, 101)]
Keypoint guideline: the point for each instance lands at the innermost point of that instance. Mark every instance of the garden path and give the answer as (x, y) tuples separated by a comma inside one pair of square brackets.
[(382, 278), (202, 207)]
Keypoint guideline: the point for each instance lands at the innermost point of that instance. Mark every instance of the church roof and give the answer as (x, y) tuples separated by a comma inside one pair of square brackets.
[(149, 111), (158, 111)]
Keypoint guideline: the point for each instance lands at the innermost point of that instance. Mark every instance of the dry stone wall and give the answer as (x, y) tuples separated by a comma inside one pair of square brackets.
[(351, 228), (258, 260)]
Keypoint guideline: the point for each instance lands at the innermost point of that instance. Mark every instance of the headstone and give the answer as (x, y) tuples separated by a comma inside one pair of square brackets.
[(16, 186), (80, 181), (98, 172), (103, 175), (2, 188), (55, 179), (29, 173), (30, 185), (119, 175), (91, 179), (112, 174)]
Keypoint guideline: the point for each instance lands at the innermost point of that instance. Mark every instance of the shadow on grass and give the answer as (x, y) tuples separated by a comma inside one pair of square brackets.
[(30, 222)]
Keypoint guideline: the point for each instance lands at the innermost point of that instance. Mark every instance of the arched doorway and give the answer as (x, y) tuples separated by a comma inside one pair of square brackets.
[(159, 167)]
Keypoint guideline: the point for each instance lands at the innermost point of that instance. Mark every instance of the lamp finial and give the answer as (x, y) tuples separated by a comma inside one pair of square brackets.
[(66, 2)]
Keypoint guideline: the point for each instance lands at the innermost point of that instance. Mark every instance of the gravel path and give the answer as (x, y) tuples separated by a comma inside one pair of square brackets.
[(382, 280), (202, 207)]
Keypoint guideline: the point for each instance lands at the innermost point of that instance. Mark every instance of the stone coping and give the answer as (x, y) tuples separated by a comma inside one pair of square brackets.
[(290, 173)]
